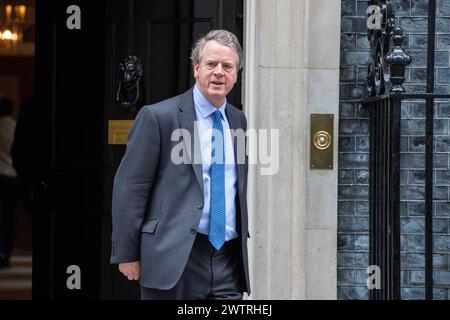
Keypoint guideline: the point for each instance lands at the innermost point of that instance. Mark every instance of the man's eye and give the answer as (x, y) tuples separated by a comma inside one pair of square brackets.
[(211, 65), (228, 67)]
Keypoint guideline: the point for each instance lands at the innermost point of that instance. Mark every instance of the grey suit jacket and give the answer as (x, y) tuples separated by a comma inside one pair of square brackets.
[(157, 204)]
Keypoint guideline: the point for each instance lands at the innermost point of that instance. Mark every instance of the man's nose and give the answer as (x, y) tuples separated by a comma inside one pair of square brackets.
[(219, 69)]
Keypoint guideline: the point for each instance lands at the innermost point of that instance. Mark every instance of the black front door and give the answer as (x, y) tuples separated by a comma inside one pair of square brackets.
[(77, 84)]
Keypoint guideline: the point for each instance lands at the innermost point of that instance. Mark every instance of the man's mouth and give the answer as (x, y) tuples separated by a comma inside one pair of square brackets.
[(217, 83)]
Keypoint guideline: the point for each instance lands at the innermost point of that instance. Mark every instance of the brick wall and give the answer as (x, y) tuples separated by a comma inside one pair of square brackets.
[(353, 220)]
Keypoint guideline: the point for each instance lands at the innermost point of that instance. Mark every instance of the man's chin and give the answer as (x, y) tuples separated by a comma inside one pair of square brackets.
[(217, 95), (216, 91)]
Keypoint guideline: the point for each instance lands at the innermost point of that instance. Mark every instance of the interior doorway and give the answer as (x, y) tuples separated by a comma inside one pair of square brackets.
[(17, 43)]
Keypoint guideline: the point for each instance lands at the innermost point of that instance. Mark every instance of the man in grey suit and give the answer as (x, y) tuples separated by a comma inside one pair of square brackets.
[(181, 227)]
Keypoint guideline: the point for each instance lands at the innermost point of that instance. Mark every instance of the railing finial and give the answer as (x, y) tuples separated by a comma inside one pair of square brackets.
[(397, 60)]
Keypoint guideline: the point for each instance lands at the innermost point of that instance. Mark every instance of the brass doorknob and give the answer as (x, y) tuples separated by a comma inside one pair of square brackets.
[(322, 140)]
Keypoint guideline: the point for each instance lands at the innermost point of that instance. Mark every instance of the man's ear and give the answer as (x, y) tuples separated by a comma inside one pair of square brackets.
[(196, 66)]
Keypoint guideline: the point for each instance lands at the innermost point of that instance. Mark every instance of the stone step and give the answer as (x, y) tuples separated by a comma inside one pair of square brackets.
[(12, 284), (21, 260), (15, 282), (15, 273)]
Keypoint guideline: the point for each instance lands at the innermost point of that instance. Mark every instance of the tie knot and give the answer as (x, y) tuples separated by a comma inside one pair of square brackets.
[(217, 115)]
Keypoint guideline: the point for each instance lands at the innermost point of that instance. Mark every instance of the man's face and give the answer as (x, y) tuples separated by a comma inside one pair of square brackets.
[(216, 72)]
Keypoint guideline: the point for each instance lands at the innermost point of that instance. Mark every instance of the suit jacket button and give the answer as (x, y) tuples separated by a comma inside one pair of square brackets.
[(200, 206), (193, 231)]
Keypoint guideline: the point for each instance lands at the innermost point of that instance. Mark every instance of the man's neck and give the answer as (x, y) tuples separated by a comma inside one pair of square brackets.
[(215, 104)]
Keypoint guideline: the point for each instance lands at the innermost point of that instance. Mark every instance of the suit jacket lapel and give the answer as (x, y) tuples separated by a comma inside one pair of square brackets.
[(186, 117), (234, 122)]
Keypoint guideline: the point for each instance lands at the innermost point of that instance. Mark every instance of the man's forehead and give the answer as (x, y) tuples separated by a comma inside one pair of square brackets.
[(218, 58)]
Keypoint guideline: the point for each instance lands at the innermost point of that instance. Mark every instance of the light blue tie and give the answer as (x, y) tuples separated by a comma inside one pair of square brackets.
[(217, 215)]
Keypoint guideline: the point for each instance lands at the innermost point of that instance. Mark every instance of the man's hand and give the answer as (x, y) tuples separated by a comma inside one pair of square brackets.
[(131, 270)]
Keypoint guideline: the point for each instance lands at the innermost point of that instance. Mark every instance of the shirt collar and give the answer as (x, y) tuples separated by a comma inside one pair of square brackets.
[(205, 107)]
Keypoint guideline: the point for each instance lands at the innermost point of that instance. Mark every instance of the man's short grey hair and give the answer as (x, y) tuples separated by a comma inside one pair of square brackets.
[(223, 37)]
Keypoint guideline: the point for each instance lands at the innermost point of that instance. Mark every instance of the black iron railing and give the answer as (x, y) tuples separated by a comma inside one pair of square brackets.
[(384, 97)]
